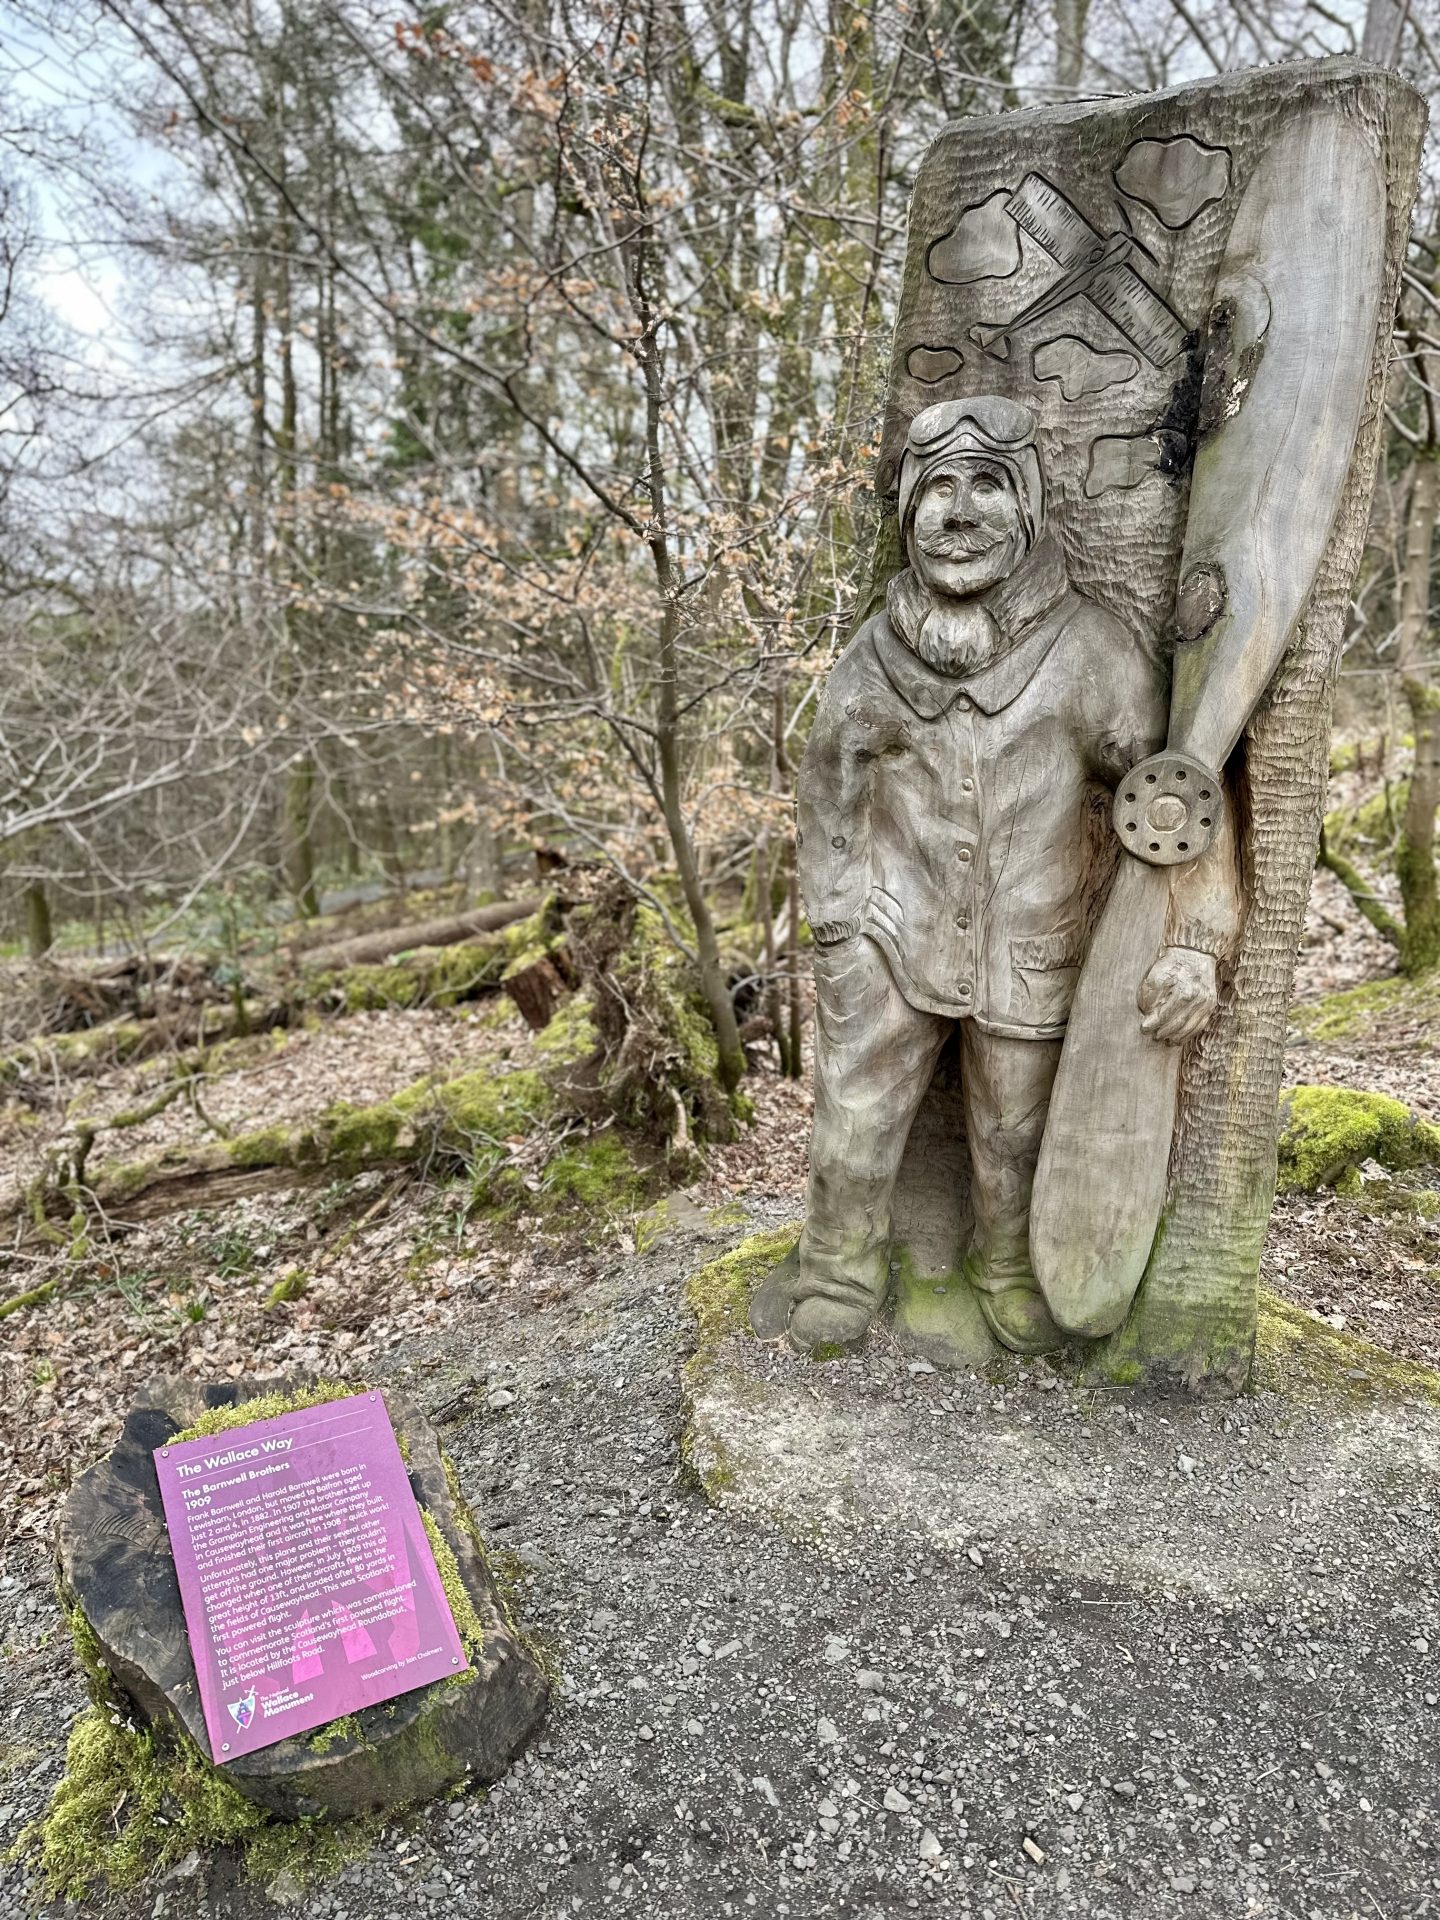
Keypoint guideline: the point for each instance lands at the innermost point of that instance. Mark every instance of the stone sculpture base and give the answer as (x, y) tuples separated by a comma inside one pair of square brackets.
[(1008, 1472), (116, 1565), (1021, 1462)]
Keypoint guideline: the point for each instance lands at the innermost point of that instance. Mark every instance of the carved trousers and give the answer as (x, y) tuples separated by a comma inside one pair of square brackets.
[(874, 1057)]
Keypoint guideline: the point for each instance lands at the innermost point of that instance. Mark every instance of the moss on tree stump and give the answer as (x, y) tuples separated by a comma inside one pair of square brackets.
[(117, 1572)]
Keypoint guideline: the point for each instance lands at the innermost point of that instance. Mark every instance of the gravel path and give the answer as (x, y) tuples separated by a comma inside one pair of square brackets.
[(1084, 1659)]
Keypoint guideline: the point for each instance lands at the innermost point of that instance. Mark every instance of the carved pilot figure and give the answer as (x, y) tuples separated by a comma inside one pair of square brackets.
[(954, 853)]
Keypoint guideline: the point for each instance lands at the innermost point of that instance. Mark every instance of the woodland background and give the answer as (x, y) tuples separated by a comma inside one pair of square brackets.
[(435, 458), (466, 448)]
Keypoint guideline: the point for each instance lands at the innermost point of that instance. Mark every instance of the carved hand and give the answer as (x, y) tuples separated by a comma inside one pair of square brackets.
[(1178, 995)]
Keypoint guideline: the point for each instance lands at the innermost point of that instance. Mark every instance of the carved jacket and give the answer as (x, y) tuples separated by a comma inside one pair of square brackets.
[(962, 822)]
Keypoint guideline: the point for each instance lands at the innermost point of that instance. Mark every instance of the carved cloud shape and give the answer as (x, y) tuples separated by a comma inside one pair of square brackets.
[(1080, 369), (1119, 462), (1174, 178), (932, 364), (984, 244)]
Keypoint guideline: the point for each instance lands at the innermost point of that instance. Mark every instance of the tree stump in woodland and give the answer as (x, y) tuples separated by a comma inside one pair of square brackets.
[(116, 1565)]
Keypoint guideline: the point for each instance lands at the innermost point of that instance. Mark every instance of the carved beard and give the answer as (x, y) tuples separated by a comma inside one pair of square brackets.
[(957, 637)]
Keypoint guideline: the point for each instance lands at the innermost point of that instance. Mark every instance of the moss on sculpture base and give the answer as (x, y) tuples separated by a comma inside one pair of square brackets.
[(1302, 1356), (719, 1294)]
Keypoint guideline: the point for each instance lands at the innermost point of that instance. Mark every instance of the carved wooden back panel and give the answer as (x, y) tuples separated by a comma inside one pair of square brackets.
[(1067, 257)]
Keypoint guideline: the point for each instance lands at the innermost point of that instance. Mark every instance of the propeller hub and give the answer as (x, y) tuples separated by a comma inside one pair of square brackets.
[(1168, 809)]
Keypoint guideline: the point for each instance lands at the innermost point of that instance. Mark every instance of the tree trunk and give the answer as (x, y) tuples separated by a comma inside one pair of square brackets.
[(765, 911), (792, 961), (1070, 18), (1383, 31), (713, 983), (1415, 853), (299, 851), (39, 937)]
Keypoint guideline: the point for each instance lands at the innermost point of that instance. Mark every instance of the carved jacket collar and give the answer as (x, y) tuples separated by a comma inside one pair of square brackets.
[(1022, 607)]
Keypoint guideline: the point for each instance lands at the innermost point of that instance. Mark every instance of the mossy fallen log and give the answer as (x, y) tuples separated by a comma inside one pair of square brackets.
[(384, 943), (433, 976), (432, 1120), (442, 976), (471, 1123), (119, 1043)]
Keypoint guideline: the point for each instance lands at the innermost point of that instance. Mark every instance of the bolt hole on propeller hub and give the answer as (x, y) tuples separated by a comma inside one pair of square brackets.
[(1168, 809)]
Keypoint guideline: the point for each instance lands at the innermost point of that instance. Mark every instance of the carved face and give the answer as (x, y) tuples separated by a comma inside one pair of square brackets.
[(968, 532)]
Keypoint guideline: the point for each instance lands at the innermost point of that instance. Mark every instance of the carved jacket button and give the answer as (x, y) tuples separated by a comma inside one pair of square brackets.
[(963, 856)]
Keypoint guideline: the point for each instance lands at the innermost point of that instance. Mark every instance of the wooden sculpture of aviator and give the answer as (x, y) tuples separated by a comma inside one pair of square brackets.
[(953, 860)]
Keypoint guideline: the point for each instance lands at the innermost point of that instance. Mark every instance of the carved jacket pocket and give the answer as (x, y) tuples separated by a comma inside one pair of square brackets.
[(1044, 972), (1047, 952)]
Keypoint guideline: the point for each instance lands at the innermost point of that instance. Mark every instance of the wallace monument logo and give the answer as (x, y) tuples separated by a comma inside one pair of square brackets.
[(242, 1711)]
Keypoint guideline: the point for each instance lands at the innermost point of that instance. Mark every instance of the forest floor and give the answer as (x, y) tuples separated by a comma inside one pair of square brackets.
[(746, 1704)]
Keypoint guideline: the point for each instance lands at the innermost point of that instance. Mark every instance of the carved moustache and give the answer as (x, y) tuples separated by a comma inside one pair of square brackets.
[(959, 546)]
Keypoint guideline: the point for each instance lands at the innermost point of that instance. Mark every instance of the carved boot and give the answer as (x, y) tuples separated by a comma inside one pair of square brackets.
[(1014, 1308), (836, 1298), (819, 1323)]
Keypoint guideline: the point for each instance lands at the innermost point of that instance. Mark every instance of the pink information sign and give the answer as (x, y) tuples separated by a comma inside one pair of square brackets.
[(308, 1582)]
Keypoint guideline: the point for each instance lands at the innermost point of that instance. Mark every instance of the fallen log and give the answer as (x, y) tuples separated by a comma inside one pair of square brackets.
[(366, 949), (120, 1042), (431, 1121)]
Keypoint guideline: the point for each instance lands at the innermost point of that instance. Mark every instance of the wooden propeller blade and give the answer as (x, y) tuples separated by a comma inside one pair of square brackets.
[(1100, 1182), (1302, 283), (1299, 284)]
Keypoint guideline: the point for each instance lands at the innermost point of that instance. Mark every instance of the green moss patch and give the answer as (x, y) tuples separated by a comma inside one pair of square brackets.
[(600, 1175), (1411, 1006), (267, 1406), (1298, 1354), (132, 1801), (1327, 1133), (571, 1037), (290, 1286), (462, 1608), (719, 1294), (129, 1805)]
